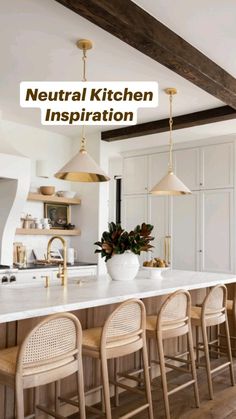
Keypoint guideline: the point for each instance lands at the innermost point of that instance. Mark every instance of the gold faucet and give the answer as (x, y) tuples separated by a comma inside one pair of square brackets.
[(62, 272)]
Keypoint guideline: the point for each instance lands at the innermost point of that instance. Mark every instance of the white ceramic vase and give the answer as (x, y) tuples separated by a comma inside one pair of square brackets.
[(123, 267)]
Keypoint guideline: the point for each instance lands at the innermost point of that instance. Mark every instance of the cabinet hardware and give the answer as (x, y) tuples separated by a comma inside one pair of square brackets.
[(47, 280), (167, 249)]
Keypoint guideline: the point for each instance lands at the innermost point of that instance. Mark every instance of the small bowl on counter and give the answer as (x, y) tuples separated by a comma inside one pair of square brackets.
[(47, 190), (155, 273), (66, 194)]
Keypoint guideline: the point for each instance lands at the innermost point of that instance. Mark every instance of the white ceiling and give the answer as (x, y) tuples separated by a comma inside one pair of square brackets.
[(38, 43)]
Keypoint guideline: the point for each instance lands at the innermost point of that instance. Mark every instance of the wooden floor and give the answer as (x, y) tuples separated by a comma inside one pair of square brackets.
[(182, 403)]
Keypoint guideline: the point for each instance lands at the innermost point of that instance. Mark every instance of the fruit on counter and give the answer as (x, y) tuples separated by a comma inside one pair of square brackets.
[(155, 263)]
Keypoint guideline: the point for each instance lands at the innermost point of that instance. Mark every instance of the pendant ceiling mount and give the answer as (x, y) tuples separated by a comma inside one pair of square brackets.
[(170, 184), (82, 167)]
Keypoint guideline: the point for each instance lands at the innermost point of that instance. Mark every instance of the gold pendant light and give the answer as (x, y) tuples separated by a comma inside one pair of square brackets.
[(170, 184), (82, 168)]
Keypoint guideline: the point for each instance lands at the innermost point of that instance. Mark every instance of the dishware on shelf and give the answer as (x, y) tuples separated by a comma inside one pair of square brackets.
[(46, 223), (66, 194), (155, 273), (47, 190)]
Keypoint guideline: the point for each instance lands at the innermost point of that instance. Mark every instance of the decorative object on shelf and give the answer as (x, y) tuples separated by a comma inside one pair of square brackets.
[(58, 214), (69, 226), (42, 169), (46, 223), (66, 194), (27, 221), (47, 190), (170, 184), (120, 249), (82, 168)]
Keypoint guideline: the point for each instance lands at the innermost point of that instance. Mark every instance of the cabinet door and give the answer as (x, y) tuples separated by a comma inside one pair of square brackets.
[(186, 167), (158, 216), (217, 166), (135, 175), (157, 168), (184, 232), (134, 211), (217, 230)]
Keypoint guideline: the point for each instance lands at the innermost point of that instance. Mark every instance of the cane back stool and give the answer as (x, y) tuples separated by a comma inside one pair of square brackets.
[(212, 312), (173, 321), (51, 351), (122, 334)]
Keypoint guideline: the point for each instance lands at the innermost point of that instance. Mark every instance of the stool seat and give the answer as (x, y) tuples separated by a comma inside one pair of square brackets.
[(196, 313), (92, 339), (8, 359), (151, 324)]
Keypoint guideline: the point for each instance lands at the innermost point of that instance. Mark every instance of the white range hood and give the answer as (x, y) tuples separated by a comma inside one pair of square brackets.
[(14, 187)]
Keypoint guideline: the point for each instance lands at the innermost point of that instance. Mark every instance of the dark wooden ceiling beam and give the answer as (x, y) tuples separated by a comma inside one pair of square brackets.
[(209, 116), (133, 25)]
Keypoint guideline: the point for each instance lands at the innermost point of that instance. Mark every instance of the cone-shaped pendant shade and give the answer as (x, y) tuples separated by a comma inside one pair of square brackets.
[(170, 185), (82, 168)]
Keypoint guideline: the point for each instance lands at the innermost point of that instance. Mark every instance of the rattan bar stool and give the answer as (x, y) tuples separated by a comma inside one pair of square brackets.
[(122, 334), (213, 312), (173, 321), (231, 314), (51, 351)]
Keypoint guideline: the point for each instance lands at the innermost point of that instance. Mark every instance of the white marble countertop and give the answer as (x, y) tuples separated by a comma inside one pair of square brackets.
[(19, 302)]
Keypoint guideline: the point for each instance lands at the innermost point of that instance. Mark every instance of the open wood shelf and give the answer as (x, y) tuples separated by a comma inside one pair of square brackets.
[(51, 232), (53, 199)]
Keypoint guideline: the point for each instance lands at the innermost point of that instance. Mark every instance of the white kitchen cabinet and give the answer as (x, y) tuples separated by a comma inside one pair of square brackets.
[(134, 211), (82, 271), (157, 168), (217, 230), (186, 167), (217, 166), (135, 175), (184, 232), (158, 216)]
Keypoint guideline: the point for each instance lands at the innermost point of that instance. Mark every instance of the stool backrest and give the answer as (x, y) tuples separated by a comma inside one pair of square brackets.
[(175, 310), (56, 339), (127, 321), (215, 301)]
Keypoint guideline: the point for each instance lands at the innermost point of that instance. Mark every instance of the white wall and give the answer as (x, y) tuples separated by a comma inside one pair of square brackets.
[(88, 217), (37, 144)]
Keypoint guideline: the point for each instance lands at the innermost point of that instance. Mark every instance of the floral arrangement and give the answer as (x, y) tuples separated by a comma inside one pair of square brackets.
[(116, 240)]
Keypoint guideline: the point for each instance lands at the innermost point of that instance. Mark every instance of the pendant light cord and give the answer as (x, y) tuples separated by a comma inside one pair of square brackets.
[(84, 78), (170, 137)]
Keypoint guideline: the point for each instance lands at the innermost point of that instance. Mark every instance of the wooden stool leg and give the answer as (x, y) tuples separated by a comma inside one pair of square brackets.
[(197, 345), (116, 370), (19, 395), (228, 343), (163, 374), (106, 389), (36, 401), (147, 379), (193, 366), (80, 387), (208, 364), (57, 395)]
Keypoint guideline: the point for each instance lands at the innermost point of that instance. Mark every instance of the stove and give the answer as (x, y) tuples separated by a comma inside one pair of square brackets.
[(7, 274)]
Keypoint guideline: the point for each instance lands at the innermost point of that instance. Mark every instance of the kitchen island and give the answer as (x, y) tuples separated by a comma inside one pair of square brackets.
[(19, 302), (91, 299)]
